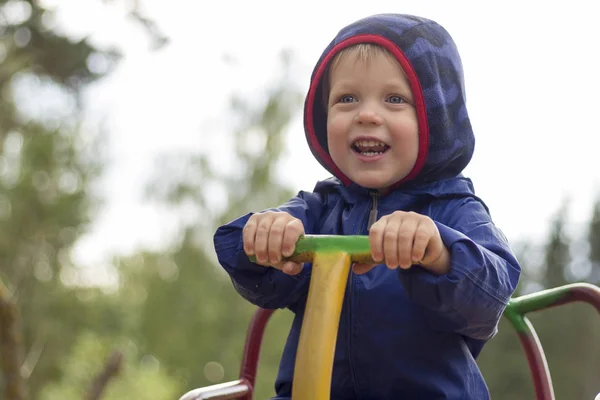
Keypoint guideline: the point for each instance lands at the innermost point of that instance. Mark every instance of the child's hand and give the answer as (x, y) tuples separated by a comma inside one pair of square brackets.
[(270, 236), (402, 239)]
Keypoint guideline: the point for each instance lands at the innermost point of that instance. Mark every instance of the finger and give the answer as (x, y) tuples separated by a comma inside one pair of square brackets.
[(249, 235), (275, 239), (360, 269), (406, 236), (390, 242), (421, 241), (291, 268), (376, 239), (261, 242), (293, 230)]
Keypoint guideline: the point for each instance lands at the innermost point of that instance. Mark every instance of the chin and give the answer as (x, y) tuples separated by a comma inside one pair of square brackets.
[(372, 184), (376, 181)]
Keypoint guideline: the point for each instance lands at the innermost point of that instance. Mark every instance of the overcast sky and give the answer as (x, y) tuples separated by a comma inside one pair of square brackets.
[(532, 93)]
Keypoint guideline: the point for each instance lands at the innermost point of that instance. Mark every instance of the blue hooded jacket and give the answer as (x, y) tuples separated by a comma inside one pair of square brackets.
[(404, 334)]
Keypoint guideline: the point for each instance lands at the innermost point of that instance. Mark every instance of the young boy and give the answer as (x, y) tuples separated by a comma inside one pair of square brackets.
[(385, 114)]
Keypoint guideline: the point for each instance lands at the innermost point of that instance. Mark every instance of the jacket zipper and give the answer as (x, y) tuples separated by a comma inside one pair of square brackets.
[(373, 213), (372, 218)]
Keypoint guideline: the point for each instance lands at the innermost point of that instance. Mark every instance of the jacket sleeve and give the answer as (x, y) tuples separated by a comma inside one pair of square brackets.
[(266, 287), (484, 273)]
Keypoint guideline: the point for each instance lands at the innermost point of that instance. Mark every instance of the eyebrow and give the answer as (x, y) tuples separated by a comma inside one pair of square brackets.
[(393, 84), (342, 84)]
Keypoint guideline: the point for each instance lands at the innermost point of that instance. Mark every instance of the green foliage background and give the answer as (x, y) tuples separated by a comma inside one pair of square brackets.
[(174, 314)]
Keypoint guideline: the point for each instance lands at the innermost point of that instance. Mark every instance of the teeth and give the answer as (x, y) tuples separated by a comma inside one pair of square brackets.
[(369, 143), (371, 153)]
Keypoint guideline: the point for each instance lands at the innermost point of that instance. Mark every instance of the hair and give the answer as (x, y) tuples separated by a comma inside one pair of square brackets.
[(362, 52)]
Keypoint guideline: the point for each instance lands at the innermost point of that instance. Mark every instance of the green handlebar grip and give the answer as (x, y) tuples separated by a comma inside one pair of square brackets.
[(356, 246)]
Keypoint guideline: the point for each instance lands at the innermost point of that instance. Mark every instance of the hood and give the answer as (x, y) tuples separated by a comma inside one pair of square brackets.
[(432, 64)]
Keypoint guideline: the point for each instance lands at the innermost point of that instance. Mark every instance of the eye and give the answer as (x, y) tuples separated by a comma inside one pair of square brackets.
[(395, 99), (347, 98)]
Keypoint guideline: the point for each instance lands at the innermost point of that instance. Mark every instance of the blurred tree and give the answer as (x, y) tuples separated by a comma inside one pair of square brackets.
[(12, 348), (46, 201), (157, 37), (590, 364), (44, 181), (140, 377), (192, 319), (558, 258), (48, 163), (593, 240), (565, 332)]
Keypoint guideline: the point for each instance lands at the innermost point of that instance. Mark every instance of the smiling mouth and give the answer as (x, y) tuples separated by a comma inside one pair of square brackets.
[(369, 148)]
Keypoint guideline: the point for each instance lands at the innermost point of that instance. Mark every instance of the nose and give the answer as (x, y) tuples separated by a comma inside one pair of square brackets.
[(368, 115)]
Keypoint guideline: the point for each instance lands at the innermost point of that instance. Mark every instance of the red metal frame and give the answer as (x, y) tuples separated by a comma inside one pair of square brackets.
[(536, 359), (516, 313), (252, 347), (538, 365)]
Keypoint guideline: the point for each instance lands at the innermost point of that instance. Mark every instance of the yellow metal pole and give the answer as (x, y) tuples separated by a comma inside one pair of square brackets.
[(316, 347)]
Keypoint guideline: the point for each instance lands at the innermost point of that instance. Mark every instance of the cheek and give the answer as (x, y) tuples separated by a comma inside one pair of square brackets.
[(407, 132), (335, 130), (334, 126)]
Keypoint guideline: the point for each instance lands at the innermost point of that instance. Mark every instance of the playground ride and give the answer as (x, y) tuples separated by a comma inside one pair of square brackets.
[(331, 258)]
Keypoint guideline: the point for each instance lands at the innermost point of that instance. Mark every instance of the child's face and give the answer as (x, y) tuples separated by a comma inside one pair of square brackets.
[(372, 127)]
